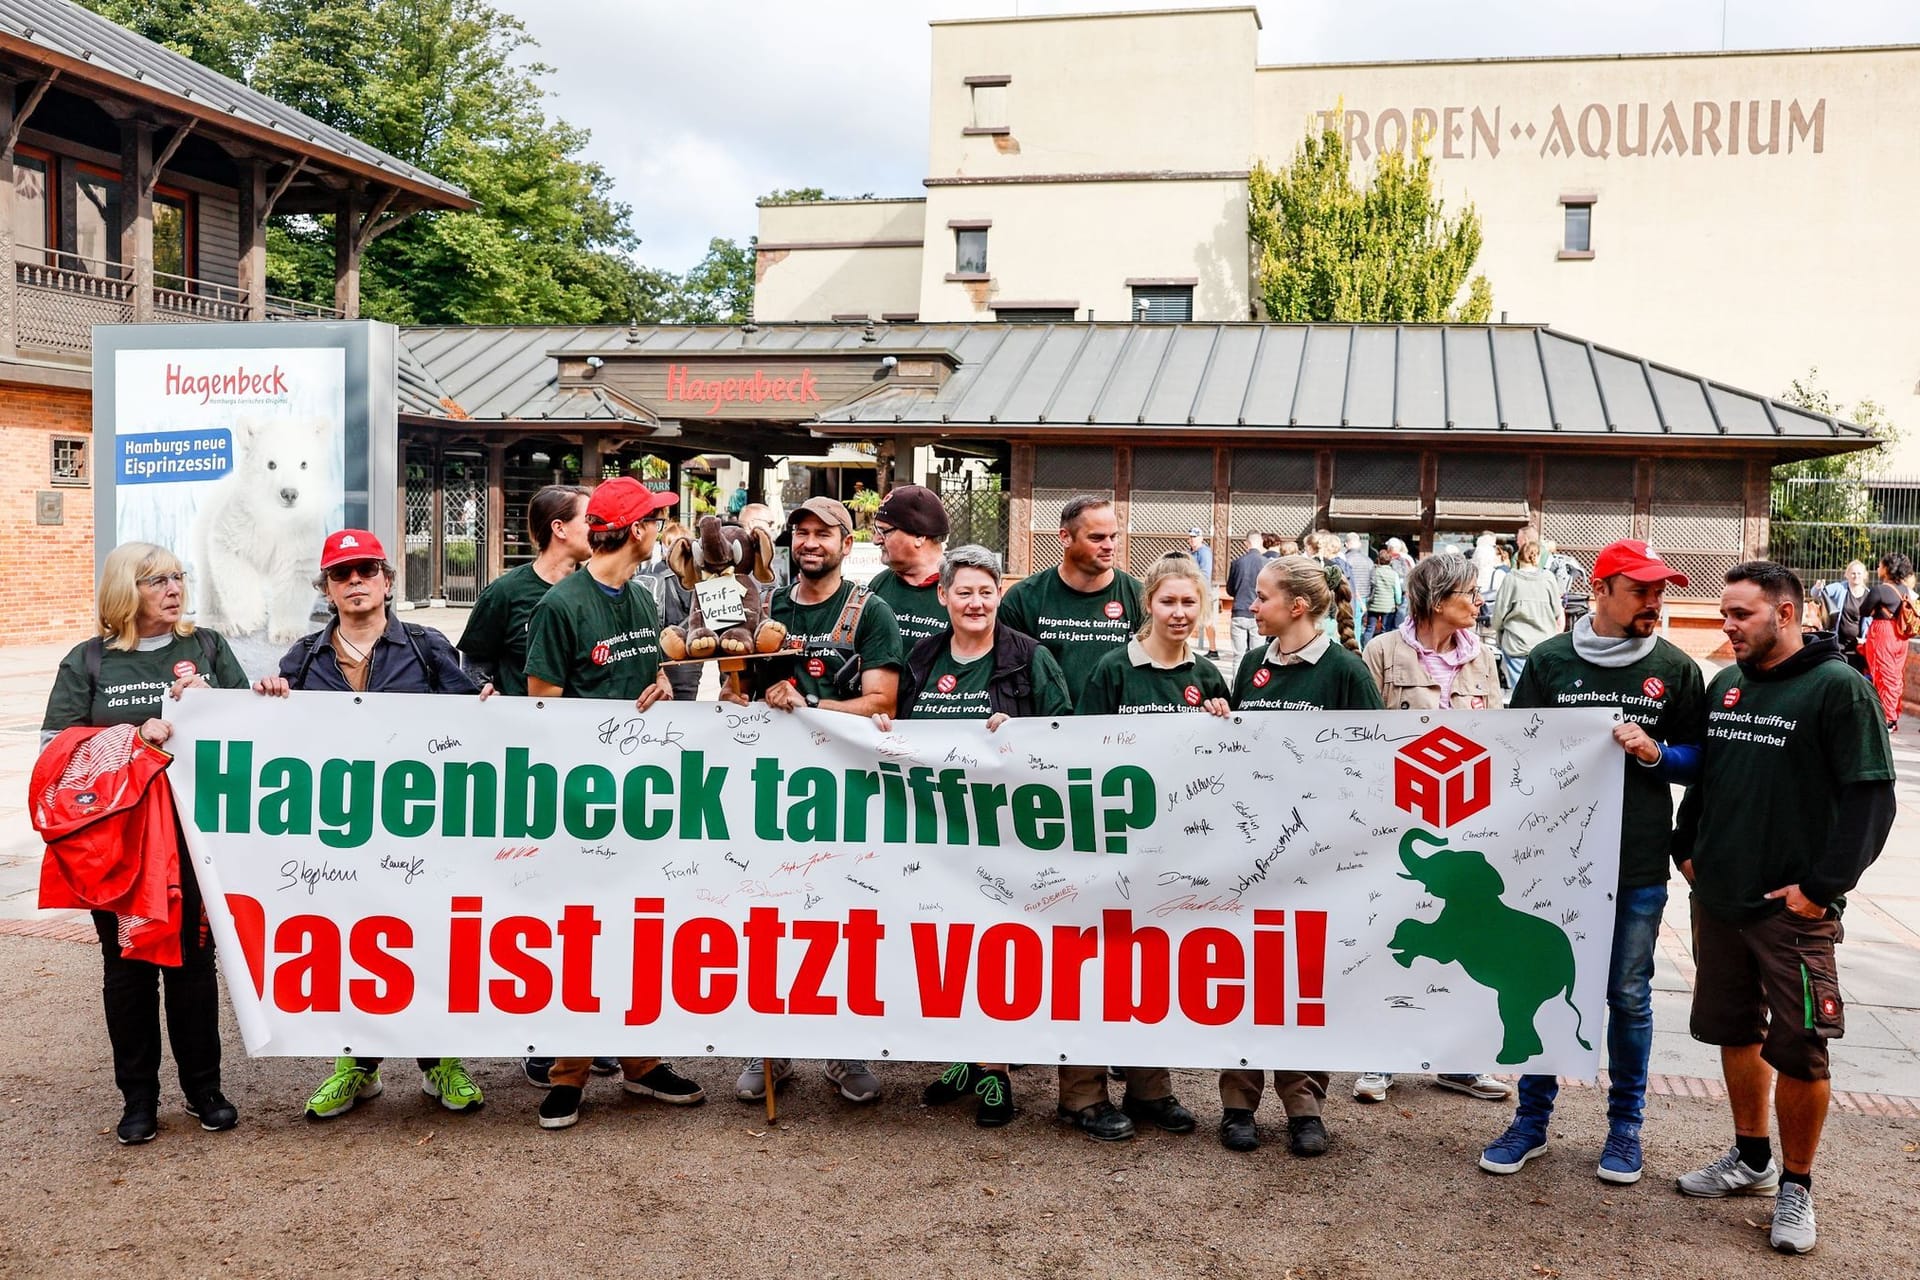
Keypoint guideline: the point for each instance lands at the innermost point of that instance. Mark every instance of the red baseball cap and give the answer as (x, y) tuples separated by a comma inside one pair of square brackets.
[(350, 546), (622, 501), (1636, 560)]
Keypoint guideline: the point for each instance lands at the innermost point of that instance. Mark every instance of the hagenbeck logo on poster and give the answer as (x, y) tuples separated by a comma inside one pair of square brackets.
[(1442, 777)]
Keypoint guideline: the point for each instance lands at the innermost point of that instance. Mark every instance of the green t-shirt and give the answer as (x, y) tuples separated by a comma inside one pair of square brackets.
[(966, 696), (876, 638), (133, 682), (1077, 627), (1664, 694), (917, 610), (956, 690), (1777, 753), (1119, 686), (497, 630), (592, 643), (1339, 681)]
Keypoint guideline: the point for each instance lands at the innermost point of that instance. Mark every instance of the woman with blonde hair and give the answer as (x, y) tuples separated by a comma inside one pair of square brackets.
[(1526, 609), (143, 646), (1157, 671), (1300, 669)]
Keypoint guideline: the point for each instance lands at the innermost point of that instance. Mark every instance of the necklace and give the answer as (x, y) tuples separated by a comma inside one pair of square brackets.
[(354, 652)]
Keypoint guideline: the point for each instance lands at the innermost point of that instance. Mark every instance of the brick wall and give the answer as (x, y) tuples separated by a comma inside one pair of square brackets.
[(46, 571)]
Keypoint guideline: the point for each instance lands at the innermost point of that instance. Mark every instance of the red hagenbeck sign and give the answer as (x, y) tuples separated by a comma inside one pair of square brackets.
[(716, 393), (1010, 971)]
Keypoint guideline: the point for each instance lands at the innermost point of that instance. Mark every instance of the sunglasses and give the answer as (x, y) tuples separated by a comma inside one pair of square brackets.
[(368, 569), (158, 580)]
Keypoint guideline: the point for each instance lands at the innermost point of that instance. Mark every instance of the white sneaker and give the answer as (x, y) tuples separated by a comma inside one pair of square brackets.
[(1727, 1176), (752, 1084), (1372, 1086), (1478, 1085), (854, 1079), (1793, 1220)]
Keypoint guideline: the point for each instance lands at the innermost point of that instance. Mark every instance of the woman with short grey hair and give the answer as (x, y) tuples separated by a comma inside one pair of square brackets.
[(1435, 660)]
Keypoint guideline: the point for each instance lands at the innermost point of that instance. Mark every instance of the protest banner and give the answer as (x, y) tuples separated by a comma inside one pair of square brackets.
[(403, 874)]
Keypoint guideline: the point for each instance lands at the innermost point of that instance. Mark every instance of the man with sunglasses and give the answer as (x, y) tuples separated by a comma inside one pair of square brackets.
[(596, 634), (365, 648)]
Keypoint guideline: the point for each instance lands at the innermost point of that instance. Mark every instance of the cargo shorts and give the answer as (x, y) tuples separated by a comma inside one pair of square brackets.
[(1773, 982)]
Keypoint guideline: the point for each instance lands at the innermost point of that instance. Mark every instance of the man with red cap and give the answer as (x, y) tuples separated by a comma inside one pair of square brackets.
[(596, 634), (1612, 658), (365, 648), (911, 528)]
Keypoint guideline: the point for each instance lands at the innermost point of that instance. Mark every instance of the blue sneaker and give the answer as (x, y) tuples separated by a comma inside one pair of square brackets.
[(1524, 1139), (1620, 1158)]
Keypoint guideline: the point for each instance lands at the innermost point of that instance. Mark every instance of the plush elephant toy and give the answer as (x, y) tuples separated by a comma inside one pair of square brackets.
[(720, 565), (1525, 960)]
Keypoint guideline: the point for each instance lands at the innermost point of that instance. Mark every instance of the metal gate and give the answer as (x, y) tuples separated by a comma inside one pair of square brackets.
[(977, 509), (446, 538)]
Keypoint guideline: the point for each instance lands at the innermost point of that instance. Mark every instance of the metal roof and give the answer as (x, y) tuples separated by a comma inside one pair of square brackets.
[(92, 47), (1325, 378), (1468, 380)]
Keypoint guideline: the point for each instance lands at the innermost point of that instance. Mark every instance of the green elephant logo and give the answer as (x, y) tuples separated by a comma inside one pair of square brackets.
[(1524, 960)]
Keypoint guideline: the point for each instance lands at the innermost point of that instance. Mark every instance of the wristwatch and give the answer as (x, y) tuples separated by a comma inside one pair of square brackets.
[(813, 699)]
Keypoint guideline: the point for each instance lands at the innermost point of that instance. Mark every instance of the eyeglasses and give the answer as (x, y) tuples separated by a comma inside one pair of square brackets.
[(1472, 592), (155, 581), (881, 530), (368, 569)]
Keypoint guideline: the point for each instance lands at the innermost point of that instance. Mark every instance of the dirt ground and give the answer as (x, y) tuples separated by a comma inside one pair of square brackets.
[(403, 1188)]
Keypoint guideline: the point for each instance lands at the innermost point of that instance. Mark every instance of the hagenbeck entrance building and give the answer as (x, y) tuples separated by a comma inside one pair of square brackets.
[(1745, 214), (1414, 431)]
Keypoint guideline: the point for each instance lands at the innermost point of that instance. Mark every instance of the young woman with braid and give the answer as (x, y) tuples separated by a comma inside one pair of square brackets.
[(1300, 669)]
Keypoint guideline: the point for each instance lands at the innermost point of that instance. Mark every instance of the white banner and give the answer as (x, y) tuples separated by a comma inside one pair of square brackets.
[(403, 874)]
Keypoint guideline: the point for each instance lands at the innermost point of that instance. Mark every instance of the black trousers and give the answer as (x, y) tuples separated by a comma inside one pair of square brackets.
[(131, 990)]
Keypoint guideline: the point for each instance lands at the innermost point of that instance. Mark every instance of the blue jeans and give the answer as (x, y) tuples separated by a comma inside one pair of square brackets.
[(1636, 927), (1513, 666)]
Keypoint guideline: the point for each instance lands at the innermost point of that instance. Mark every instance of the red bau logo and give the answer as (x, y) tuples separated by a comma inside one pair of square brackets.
[(1654, 687), (184, 670), (1261, 677), (947, 683), (602, 654), (816, 667), (1114, 609), (1731, 698), (1442, 777), (1192, 694)]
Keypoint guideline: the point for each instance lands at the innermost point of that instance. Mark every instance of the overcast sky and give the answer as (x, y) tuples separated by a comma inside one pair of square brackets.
[(697, 108)]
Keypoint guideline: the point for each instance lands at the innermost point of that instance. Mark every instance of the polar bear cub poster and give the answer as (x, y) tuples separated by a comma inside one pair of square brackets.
[(257, 535)]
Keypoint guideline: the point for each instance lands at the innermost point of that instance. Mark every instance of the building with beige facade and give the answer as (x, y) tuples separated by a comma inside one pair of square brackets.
[(1743, 214)]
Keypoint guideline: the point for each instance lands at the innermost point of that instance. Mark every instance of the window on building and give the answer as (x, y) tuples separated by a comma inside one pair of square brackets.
[(32, 203), (1162, 303), (970, 251), (1576, 239), (69, 467), (988, 96), (172, 237), (1018, 314), (96, 219)]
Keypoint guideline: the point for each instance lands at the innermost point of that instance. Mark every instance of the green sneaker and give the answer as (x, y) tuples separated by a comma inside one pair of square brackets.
[(448, 1081), (339, 1092)]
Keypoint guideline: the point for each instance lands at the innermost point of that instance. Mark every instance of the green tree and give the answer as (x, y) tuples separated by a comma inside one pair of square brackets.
[(446, 85), (1328, 248), (1823, 511)]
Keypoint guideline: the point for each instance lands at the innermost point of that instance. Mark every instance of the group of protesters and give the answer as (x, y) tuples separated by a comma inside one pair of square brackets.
[(1773, 831)]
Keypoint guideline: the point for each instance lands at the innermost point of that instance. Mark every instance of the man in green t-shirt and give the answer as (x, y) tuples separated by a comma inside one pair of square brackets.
[(848, 660), (1612, 658), (1794, 803), (911, 528), (1084, 608), (596, 634)]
